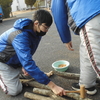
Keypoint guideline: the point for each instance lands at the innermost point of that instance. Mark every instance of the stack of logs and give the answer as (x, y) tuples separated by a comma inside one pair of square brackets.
[(43, 92)]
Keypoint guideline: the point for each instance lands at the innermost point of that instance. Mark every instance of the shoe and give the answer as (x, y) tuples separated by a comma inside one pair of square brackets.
[(90, 91), (98, 82), (22, 76)]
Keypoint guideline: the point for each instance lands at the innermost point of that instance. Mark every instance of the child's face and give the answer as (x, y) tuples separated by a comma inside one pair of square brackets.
[(40, 27), (43, 27)]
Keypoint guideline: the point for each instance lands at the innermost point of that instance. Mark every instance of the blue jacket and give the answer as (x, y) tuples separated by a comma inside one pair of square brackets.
[(73, 13), (18, 44)]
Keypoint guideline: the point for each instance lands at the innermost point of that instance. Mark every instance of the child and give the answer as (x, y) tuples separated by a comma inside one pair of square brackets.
[(17, 46)]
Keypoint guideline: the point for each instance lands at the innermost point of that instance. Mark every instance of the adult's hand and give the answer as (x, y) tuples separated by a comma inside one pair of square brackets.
[(69, 46)]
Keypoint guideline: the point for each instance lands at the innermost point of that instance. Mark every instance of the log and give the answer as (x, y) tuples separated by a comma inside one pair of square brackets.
[(68, 75), (55, 97), (47, 93), (34, 84), (30, 82), (38, 85), (36, 97), (49, 73), (76, 96), (41, 86)]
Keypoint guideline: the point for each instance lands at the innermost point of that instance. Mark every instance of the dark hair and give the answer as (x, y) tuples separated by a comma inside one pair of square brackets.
[(43, 16)]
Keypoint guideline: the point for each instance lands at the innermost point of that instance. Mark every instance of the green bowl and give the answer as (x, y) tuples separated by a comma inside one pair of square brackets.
[(56, 65)]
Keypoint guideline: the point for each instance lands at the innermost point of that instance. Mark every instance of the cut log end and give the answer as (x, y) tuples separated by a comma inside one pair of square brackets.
[(49, 73)]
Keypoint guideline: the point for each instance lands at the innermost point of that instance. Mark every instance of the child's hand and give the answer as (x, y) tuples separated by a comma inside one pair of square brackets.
[(56, 89), (25, 72)]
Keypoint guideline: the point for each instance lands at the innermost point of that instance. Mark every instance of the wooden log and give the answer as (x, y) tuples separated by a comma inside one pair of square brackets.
[(34, 84), (47, 93), (68, 75), (76, 96), (41, 86), (49, 73), (36, 97), (30, 82), (38, 85), (51, 94)]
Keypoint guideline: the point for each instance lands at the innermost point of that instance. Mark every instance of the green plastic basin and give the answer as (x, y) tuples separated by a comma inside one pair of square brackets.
[(56, 65)]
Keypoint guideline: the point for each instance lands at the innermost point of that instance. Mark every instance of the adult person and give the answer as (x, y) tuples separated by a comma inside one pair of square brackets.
[(83, 17), (17, 45)]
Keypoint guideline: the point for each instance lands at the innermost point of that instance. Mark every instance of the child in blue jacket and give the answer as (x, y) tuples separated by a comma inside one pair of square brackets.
[(17, 46)]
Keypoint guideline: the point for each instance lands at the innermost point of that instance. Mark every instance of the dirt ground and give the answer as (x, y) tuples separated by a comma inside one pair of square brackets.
[(20, 12), (15, 13), (25, 11)]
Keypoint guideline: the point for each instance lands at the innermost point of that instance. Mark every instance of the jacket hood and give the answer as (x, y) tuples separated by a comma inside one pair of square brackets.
[(21, 23)]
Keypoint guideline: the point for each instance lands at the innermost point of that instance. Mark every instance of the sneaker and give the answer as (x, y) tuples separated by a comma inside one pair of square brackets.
[(22, 76), (98, 82), (90, 91)]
